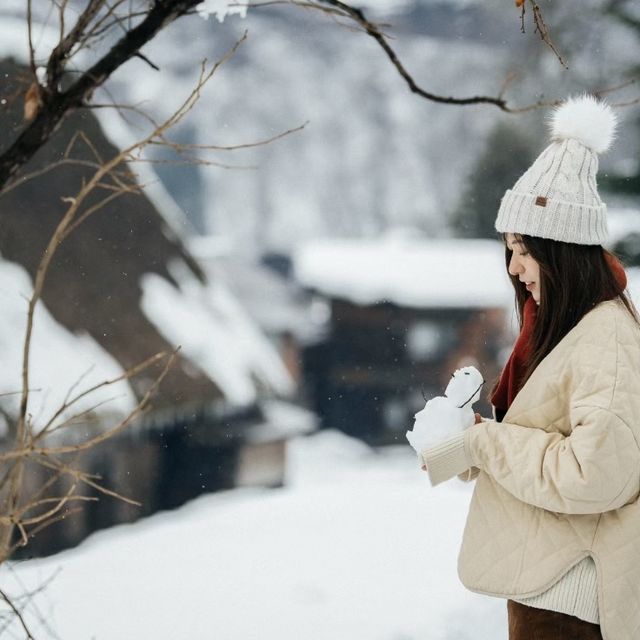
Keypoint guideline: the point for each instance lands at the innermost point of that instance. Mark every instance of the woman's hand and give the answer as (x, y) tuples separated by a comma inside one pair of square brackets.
[(478, 419)]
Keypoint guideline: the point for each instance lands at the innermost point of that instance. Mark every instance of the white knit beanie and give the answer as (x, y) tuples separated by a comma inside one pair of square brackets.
[(557, 197)]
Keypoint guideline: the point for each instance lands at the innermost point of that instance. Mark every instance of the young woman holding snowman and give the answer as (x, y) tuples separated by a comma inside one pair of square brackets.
[(554, 522)]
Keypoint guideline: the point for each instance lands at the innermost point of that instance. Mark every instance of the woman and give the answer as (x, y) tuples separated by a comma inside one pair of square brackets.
[(554, 522)]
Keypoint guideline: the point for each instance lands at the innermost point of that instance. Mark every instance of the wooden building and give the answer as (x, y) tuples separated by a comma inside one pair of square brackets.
[(405, 313), (121, 288)]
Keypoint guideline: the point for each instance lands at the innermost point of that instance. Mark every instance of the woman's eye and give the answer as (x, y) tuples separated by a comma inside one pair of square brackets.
[(524, 253)]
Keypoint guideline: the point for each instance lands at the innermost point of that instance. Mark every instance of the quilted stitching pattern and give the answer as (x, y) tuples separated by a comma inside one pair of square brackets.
[(513, 548)]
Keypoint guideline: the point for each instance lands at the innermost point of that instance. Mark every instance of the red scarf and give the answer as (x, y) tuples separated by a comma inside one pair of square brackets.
[(513, 372)]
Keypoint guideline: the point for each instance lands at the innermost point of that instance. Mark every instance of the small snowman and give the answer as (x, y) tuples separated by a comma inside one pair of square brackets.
[(446, 416)]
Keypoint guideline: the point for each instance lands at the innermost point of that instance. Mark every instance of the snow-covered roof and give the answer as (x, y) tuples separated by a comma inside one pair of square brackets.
[(215, 333), (223, 352), (424, 273), (276, 304), (128, 282), (60, 360)]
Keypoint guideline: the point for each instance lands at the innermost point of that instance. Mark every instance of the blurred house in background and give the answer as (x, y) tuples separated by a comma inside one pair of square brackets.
[(405, 313), (121, 288)]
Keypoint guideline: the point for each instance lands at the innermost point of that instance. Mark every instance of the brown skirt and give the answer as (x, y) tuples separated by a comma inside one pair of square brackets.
[(529, 623)]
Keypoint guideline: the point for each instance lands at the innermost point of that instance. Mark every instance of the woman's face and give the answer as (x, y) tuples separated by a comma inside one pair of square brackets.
[(523, 266)]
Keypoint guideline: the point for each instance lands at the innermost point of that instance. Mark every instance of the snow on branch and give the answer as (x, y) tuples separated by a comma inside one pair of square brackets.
[(220, 9)]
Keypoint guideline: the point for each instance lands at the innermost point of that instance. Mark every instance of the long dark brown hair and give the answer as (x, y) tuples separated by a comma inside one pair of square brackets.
[(574, 278)]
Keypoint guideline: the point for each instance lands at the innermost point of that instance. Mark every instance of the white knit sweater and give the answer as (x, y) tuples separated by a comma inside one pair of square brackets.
[(575, 594)]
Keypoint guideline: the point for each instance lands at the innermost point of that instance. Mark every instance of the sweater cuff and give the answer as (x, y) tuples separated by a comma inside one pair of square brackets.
[(446, 460)]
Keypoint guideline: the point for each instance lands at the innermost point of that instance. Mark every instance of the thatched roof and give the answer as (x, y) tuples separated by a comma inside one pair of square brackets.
[(96, 282)]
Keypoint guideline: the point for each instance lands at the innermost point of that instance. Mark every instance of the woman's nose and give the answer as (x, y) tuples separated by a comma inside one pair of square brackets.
[(514, 265)]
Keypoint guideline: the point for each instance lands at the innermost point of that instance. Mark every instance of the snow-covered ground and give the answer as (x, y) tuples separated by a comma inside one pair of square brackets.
[(357, 546)]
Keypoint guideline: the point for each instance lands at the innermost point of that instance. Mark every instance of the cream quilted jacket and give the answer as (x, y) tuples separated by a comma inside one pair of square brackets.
[(558, 479)]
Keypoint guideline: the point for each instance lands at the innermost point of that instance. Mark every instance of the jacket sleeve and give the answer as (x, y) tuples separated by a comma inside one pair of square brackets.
[(595, 468), (448, 459), (469, 475)]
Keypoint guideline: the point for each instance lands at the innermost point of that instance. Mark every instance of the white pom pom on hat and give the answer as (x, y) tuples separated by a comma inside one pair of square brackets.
[(585, 119), (557, 197)]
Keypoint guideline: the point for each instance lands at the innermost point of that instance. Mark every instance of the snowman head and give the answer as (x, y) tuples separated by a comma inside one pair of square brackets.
[(464, 387)]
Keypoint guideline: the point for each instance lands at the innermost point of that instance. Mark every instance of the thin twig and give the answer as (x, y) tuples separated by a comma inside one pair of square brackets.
[(602, 92), (23, 179), (17, 613), (50, 462), (543, 31), (58, 58), (82, 417), (212, 147), (132, 372), (91, 210), (47, 523), (628, 103), (32, 53), (144, 58)]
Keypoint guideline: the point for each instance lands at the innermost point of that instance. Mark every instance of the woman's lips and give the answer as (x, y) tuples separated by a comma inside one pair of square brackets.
[(529, 286)]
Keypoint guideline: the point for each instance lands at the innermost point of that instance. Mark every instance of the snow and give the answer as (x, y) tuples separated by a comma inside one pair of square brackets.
[(214, 333), (408, 272), (58, 357), (276, 304), (633, 286), (220, 9), (358, 545), (386, 8), (15, 43), (621, 223), (283, 420), (448, 415)]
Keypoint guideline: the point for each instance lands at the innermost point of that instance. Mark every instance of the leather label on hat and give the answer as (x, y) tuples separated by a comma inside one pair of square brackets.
[(541, 201)]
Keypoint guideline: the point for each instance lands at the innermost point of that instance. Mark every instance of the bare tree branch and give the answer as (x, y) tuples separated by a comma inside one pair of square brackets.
[(179, 146), (17, 613), (26, 597), (128, 374), (58, 57), (58, 103), (16, 512), (373, 30), (76, 202), (51, 462), (32, 55)]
